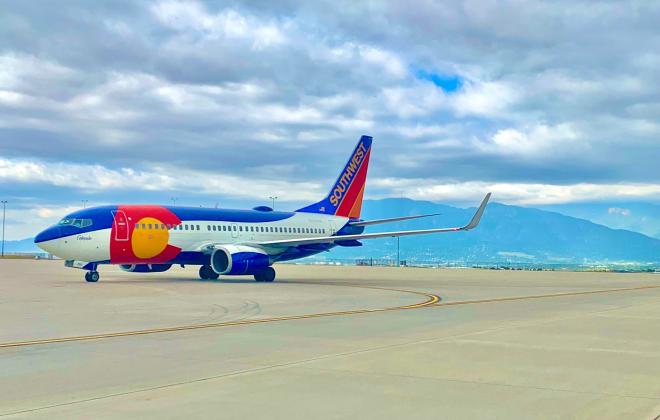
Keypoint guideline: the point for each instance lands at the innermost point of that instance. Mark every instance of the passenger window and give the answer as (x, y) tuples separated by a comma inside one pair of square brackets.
[(144, 226), (155, 226), (137, 226), (240, 228), (197, 227), (185, 227)]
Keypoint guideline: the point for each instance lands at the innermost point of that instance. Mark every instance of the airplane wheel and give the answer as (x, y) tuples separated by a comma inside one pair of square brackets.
[(268, 275), (207, 273), (92, 276)]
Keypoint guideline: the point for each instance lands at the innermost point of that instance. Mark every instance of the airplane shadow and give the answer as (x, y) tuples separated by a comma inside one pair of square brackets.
[(170, 280)]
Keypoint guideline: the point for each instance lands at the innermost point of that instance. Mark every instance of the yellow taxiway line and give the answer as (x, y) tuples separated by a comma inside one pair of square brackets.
[(546, 296), (431, 301)]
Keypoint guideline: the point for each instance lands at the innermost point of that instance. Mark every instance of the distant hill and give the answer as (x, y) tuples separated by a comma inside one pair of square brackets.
[(506, 233), (24, 245), (635, 216)]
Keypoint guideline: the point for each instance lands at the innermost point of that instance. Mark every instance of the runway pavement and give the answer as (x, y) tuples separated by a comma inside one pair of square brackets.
[(329, 343)]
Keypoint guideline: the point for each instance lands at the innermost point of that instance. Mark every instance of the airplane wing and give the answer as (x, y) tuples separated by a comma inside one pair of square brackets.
[(330, 239), (393, 219)]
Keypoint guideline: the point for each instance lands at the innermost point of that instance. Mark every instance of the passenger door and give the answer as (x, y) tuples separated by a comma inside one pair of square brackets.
[(121, 225)]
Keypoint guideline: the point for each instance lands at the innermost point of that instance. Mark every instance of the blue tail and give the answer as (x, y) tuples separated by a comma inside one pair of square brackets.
[(345, 197)]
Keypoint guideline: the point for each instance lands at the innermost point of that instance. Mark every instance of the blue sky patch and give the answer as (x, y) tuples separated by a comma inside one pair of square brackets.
[(447, 83)]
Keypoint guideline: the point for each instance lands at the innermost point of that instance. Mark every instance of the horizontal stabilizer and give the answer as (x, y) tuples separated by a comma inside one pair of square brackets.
[(391, 220)]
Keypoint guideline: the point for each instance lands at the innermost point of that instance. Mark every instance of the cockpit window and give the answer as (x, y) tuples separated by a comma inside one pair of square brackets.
[(79, 223)]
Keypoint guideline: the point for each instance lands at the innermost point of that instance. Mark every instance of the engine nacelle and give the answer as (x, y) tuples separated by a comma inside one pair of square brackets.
[(238, 259), (145, 268)]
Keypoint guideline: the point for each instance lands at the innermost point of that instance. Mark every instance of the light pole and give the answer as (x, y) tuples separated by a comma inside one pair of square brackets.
[(4, 206), (398, 260), (84, 203), (174, 200), (273, 198)]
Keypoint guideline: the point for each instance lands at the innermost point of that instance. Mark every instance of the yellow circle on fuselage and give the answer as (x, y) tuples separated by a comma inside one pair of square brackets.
[(148, 241)]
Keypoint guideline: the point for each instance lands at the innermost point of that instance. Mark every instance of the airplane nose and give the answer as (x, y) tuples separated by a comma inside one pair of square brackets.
[(51, 233)]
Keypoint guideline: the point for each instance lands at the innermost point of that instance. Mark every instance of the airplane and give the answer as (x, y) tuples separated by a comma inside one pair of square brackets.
[(152, 238)]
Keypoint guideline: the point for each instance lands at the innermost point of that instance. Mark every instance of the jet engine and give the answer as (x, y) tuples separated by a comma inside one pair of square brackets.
[(239, 259), (145, 268)]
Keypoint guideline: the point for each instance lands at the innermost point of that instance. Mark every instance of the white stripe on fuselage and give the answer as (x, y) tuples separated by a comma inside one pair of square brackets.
[(189, 240)]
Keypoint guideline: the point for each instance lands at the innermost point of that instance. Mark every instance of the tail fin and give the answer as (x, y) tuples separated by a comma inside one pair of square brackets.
[(345, 197)]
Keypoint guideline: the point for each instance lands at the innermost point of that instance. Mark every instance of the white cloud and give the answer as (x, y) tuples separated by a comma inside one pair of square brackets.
[(99, 178), (536, 139), (516, 193), (619, 210), (490, 99), (417, 100), (19, 71), (230, 24), (384, 59)]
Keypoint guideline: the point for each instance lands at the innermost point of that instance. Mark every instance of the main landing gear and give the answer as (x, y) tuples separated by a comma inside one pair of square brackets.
[(92, 276), (267, 275), (207, 273)]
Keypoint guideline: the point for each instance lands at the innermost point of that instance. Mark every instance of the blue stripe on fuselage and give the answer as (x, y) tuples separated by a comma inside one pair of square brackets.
[(229, 215), (102, 218)]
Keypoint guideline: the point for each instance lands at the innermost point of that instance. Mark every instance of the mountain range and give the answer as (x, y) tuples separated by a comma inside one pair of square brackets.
[(506, 233)]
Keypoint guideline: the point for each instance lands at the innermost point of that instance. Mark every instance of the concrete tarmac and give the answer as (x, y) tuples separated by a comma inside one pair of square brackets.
[(331, 343)]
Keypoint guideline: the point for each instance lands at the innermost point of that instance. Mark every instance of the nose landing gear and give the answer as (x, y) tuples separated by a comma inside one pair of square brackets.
[(92, 276)]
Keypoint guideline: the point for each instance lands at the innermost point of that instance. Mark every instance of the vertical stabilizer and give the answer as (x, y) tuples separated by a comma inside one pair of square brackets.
[(345, 197)]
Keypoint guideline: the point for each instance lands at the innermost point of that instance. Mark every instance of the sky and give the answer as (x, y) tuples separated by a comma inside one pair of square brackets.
[(229, 103)]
